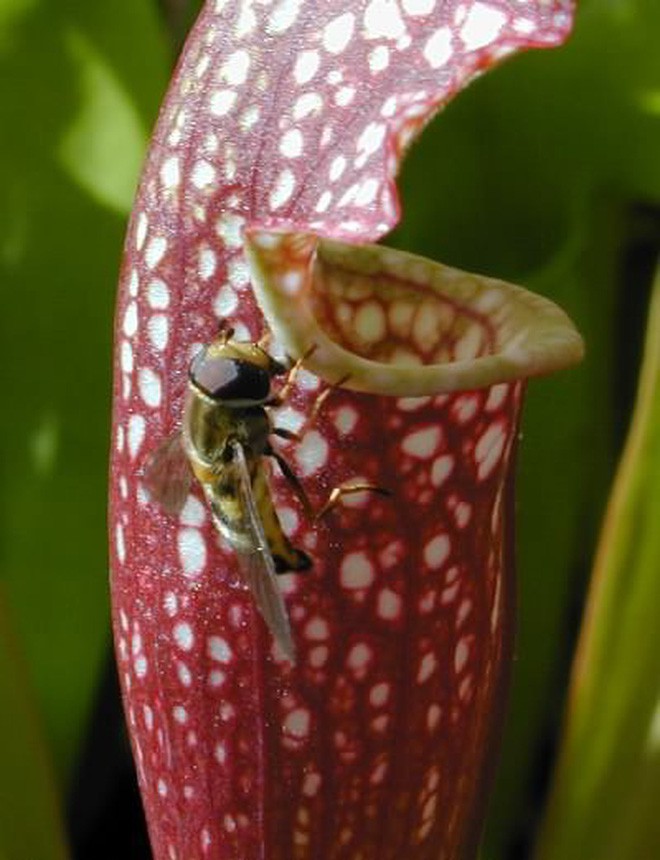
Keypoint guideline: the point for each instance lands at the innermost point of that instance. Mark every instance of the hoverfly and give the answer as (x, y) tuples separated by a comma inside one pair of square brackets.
[(222, 443)]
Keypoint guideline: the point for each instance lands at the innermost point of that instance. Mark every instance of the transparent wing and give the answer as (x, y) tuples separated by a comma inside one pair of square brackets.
[(257, 564), (167, 474)]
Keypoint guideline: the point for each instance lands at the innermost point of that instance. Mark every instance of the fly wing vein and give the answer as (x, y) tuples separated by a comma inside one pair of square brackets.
[(257, 566), (167, 474)]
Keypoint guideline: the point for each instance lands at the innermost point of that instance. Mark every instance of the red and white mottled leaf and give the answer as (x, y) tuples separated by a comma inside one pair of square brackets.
[(290, 117)]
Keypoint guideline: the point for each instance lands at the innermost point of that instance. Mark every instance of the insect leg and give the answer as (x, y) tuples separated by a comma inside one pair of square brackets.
[(283, 433), (322, 397), (264, 341), (319, 403), (294, 481), (284, 392), (346, 490), (333, 499)]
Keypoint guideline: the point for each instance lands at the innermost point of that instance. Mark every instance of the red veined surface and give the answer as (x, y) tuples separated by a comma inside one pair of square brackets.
[(376, 745)]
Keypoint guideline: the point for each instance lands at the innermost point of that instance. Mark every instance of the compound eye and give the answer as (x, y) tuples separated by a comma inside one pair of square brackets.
[(229, 379)]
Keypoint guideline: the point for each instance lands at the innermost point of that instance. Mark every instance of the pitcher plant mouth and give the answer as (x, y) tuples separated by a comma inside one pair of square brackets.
[(389, 322)]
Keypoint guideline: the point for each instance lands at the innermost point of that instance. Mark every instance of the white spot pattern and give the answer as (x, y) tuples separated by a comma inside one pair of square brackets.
[(150, 387), (482, 26), (155, 251), (337, 34), (192, 552), (158, 329), (184, 636), (170, 173), (173, 311), (357, 571), (158, 295), (306, 67)]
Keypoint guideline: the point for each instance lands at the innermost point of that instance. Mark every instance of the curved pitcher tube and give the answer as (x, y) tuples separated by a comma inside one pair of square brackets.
[(379, 741)]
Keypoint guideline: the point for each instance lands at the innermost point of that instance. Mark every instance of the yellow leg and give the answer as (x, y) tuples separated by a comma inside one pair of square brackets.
[(333, 499), (314, 411), (346, 490), (294, 482), (321, 399), (264, 340), (337, 493), (284, 392)]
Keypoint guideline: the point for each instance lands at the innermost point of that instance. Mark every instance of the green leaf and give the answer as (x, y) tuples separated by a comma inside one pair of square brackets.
[(81, 85), (30, 825), (102, 149), (604, 802)]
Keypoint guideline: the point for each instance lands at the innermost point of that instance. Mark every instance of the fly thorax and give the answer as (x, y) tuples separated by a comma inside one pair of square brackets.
[(206, 428), (252, 428)]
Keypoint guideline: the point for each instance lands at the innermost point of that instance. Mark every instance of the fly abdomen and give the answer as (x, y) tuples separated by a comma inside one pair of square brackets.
[(229, 513), (292, 561), (285, 555)]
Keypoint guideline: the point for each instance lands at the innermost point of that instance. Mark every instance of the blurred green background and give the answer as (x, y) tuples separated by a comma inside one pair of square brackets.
[(545, 172)]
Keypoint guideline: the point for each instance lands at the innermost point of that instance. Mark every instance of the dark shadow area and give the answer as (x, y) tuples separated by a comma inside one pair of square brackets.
[(104, 810)]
